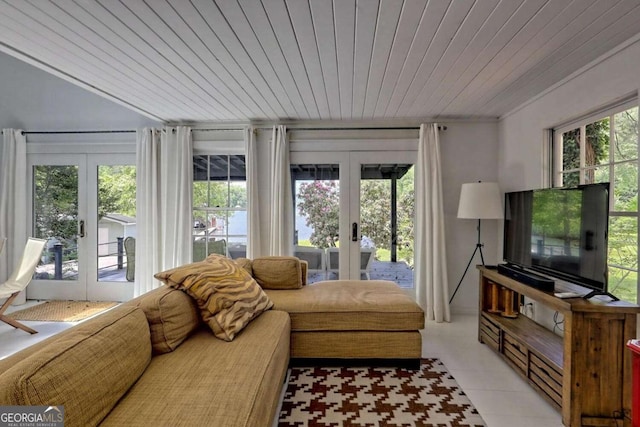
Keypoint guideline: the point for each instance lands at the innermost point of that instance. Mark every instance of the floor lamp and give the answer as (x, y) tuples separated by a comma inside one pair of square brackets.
[(478, 200)]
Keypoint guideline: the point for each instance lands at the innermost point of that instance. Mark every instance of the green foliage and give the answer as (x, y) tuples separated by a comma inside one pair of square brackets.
[(56, 201), (117, 190), (597, 150), (375, 211), (319, 203)]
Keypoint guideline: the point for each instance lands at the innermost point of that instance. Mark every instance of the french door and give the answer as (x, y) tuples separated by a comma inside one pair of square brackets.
[(356, 208), (84, 205)]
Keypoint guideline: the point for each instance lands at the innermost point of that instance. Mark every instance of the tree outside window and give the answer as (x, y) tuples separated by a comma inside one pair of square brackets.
[(609, 153)]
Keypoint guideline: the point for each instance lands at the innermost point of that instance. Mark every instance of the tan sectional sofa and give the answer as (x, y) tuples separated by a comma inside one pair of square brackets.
[(151, 361)]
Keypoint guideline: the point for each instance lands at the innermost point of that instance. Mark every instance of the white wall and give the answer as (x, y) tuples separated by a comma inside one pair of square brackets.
[(35, 100), (469, 154), (521, 133)]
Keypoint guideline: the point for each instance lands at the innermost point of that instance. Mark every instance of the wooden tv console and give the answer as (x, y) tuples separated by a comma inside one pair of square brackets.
[(587, 373)]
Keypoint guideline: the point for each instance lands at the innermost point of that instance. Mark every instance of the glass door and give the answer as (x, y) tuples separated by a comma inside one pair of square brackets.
[(318, 184), (354, 214), (58, 194), (382, 216), (84, 205), (111, 230)]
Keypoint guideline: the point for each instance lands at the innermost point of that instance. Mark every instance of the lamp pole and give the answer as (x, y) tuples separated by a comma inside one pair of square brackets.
[(477, 249), (478, 200)]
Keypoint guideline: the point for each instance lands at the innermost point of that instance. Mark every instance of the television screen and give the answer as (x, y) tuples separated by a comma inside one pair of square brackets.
[(560, 232)]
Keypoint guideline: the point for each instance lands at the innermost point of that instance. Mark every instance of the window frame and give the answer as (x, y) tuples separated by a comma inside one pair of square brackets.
[(557, 170), (225, 147)]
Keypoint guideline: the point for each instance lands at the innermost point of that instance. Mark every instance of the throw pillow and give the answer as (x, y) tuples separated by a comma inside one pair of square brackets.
[(278, 272), (228, 298)]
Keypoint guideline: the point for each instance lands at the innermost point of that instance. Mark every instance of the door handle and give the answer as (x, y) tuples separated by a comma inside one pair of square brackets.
[(81, 228), (354, 232)]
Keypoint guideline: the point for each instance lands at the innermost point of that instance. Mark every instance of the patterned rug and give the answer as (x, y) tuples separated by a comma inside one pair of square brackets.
[(61, 311), (364, 396)]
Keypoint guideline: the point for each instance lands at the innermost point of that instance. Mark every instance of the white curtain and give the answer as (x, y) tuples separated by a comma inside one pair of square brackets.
[(164, 202), (281, 224), (13, 201), (254, 243), (432, 285)]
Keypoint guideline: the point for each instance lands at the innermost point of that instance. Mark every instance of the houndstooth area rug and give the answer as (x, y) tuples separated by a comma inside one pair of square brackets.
[(365, 396)]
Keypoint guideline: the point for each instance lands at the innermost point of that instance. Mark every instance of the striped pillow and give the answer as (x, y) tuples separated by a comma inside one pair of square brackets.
[(227, 296)]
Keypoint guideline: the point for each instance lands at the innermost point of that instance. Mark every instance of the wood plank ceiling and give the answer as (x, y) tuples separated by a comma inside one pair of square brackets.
[(239, 60)]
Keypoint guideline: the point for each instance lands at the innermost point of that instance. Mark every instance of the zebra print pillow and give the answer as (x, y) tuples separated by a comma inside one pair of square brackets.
[(227, 296)]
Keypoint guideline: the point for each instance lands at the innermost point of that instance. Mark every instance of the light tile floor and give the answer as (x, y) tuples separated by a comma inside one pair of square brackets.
[(13, 340), (500, 395)]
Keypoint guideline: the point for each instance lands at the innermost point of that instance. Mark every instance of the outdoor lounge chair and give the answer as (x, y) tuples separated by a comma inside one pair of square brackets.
[(202, 248), (19, 280), (236, 250), (130, 252), (315, 258), (366, 258)]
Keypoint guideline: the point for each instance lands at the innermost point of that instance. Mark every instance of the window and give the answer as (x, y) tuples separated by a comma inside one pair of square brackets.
[(219, 206), (606, 150)]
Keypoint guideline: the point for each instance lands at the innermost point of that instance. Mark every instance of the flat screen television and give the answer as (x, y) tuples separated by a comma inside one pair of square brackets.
[(560, 232)]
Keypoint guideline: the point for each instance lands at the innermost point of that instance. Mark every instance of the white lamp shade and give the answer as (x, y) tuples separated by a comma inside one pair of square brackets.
[(480, 200)]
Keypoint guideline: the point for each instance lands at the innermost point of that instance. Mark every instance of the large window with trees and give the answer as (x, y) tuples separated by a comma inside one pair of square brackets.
[(219, 206), (604, 148)]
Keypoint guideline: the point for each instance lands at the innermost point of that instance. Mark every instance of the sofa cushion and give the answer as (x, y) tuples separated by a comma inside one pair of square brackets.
[(209, 382), (349, 305), (227, 296), (278, 272), (172, 317), (246, 264), (87, 371)]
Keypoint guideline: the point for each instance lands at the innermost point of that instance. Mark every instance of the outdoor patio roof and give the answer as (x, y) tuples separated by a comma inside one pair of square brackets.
[(332, 171)]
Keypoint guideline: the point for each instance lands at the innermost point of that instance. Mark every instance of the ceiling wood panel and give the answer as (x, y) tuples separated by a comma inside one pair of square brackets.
[(412, 14), (271, 60), (280, 24), (366, 22), (300, 16), (566, 64), (431, 21), (345, 21), (388, 20), (476, 17)]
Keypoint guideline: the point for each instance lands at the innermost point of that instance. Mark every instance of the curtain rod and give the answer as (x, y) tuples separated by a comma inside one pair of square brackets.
[(344, 128), (62, 132), (78, 132)]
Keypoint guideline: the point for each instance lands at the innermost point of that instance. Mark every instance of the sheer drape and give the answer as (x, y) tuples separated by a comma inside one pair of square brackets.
[(254, 243), (281, 223), (164, 202), (13, 201), (432, 285)]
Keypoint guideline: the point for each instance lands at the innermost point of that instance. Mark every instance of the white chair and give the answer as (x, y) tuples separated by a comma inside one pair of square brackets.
[(366, 258), (20, 278), (314, 256)]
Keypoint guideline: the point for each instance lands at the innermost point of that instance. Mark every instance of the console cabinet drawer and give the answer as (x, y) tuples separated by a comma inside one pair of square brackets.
[(515, 352), (546, 378), (490, 333)]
